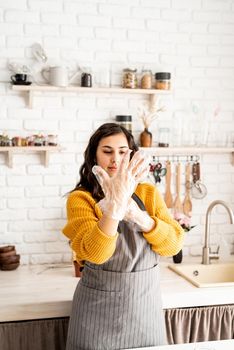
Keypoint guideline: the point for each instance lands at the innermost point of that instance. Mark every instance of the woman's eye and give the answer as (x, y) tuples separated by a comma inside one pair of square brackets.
[(107, 152)]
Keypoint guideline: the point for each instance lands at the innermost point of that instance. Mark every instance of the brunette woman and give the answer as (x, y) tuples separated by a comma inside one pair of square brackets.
[(119, 227)]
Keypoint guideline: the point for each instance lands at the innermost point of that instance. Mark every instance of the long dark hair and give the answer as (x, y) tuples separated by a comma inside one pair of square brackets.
[(88, 180)]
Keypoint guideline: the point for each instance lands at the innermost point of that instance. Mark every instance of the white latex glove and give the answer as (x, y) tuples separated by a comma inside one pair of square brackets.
[(140, 217), (119, 188)]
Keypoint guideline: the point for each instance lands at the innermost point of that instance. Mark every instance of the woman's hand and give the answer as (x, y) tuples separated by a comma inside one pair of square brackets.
[(140, 217), (119, 188)]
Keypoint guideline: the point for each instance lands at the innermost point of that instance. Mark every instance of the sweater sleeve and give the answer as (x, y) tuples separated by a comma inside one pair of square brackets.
[(167, 237), (87, 240)]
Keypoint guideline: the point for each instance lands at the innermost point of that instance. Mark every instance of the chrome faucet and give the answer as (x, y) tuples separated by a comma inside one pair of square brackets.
[(206, 252)]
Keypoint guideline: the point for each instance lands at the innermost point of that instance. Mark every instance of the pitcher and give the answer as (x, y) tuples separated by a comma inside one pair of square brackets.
[(58, 76)]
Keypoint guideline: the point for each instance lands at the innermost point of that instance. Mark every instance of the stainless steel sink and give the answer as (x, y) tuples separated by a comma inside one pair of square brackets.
[(203, 276)]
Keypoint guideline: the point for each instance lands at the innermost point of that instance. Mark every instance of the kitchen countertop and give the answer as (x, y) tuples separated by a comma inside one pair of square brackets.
[(46, 291)]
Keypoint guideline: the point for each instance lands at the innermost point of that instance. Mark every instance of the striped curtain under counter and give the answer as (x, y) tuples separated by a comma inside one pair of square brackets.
[(197, 324)]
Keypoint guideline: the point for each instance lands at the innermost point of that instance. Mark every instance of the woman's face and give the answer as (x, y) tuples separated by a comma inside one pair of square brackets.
[(110, 152)]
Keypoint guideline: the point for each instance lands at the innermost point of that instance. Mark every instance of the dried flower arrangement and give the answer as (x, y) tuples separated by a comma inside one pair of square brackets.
[(149, 112)]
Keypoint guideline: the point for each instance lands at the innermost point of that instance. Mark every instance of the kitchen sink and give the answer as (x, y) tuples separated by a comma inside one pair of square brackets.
[(202, 276)]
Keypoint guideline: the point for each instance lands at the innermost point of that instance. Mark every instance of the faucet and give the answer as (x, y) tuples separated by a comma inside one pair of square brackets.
[(206, 252)]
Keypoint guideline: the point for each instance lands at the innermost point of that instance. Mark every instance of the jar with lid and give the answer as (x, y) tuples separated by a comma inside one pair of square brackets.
[(164, 137), (39, 140), (146, 79), (52, 140), (163, 81), (125, 121), (17, 141), (86, 80), (129, 78)]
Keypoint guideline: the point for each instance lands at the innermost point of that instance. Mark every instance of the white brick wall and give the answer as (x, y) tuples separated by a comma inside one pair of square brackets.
[(191, 38)]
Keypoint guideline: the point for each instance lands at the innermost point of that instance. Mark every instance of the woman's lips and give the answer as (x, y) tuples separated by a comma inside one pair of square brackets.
[(112, 168)]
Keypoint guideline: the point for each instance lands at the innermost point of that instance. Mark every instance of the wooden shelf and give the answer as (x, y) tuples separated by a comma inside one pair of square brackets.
[(168, 151), (31, 89), (45, 150)]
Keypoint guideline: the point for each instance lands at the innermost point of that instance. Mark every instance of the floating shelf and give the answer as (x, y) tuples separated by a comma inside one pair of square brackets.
[(189, 151), (45, 150), (31, 89)]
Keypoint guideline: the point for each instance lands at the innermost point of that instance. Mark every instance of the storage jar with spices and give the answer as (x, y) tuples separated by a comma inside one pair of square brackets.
[(125, 120), (129, 78), (163, 81), (146, 79)]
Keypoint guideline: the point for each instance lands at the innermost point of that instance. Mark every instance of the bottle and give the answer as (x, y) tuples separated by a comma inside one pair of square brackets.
[(163, 81), (125, 120)]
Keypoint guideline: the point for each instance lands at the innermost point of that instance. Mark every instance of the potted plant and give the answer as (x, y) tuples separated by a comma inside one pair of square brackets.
[(185, 223)]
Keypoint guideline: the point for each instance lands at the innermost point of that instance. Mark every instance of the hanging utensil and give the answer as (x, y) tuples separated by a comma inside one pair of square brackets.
[(159, 172), (187, 204), (198, 189), (178, 207), (168, 195)]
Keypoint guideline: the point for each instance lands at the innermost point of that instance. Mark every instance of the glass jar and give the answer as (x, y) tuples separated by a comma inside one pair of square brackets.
[(129, 78), (164, 137), (38, 141), (30, 140), (146, 79), (52, 140), (163, 81), (125, 121), (17, 141)]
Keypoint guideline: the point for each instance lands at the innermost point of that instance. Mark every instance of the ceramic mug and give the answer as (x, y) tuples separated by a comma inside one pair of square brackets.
[(19, 78)]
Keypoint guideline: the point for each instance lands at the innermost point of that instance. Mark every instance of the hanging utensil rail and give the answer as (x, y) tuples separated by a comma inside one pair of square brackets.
[(176, 158)]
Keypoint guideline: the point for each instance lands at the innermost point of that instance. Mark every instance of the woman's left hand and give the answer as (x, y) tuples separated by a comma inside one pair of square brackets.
[(140, 217)]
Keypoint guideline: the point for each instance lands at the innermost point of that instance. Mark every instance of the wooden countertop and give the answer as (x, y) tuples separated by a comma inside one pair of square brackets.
[(46, 291)]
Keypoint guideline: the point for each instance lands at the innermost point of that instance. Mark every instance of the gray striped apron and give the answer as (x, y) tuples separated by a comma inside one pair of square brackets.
[(117, 305)]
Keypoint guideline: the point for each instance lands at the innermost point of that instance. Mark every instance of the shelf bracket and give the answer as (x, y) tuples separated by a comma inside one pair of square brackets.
[(153, 100), (30, 99), (9, 161), (46, 158)]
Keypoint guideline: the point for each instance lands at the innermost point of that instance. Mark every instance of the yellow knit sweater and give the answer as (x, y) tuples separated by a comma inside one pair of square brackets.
[(91, 244)]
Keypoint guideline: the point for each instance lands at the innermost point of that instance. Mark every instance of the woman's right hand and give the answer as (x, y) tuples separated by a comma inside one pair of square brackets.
[(119, 188)]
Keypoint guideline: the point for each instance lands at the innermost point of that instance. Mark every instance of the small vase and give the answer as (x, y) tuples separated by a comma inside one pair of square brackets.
[(178, 257), (146, 138)]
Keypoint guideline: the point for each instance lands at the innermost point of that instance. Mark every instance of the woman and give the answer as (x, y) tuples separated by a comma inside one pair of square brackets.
[(118, 228)]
